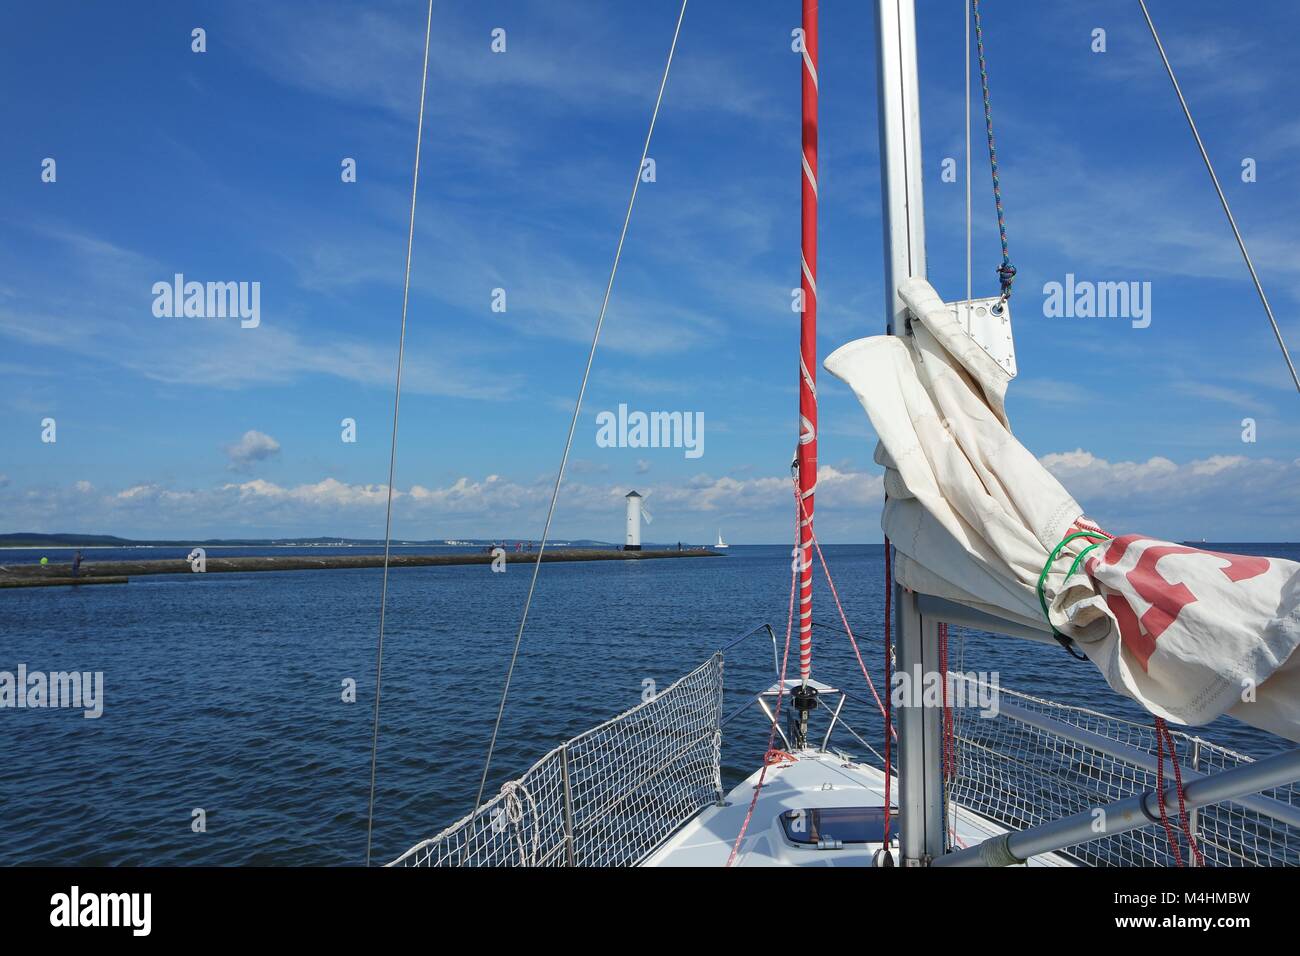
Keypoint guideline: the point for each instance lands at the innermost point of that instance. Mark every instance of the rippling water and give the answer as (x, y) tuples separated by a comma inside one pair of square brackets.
[(225, 693)]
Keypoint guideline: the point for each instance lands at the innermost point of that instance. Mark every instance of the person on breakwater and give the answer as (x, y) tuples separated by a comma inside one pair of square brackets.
[(76, 564)]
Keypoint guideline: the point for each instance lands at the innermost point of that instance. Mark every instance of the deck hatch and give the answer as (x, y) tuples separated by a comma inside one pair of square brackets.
[(814, 826)]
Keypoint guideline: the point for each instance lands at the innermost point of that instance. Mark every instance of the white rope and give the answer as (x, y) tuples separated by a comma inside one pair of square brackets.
[(1241, 243), (513, 808), (577, 410), (392, 455)]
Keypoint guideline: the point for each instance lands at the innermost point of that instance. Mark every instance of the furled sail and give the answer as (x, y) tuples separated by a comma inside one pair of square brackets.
[(974, 517)]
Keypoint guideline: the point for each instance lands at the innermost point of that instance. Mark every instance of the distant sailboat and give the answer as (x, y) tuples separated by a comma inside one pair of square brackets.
[(721, 544)]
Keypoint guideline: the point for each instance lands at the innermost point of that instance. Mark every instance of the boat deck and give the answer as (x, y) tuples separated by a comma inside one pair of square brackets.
[(817, 780)]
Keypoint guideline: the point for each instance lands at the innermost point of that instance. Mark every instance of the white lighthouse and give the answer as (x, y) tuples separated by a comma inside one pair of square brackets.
[(633, 522)]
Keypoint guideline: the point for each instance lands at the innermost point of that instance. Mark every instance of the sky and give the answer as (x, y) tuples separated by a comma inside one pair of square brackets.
[(227, 165)]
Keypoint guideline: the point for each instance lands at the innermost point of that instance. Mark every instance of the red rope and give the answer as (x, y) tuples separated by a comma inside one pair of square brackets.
[(1160, 792), (885, 708), (780, 696), (884, 705), (949, 725), (949, 728), (889, 714), (844, 619), (1164, 735)]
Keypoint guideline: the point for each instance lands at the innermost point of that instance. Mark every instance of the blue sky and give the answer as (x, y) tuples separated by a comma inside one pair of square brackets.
[(225, 166)]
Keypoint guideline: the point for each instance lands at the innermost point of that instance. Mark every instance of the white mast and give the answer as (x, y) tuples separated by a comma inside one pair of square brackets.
[(900, 152), (920, 777)]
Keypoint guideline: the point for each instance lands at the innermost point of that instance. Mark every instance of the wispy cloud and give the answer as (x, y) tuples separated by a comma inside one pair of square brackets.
[(106, 315), (371, 56)]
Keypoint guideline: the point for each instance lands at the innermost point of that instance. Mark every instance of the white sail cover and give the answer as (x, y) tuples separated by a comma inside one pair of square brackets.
[(973, 517)]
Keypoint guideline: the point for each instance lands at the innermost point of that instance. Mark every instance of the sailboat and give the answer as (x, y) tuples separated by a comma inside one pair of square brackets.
[(979, 536), (721, 544)]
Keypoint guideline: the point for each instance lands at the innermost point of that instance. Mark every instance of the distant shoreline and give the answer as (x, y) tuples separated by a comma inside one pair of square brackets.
[(34, 575), (207, 547), (27, 540)]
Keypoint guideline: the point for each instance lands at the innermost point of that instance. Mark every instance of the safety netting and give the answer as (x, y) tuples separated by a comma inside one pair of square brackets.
[(1037, 761), (607, 797)]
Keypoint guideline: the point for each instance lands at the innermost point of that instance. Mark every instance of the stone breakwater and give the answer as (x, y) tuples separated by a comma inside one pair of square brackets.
[(117, 572)]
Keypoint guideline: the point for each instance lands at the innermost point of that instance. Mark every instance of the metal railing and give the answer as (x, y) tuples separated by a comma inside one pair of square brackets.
[(1037, 761)]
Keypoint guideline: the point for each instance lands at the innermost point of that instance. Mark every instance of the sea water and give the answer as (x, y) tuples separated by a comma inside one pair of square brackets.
[(228, 734)]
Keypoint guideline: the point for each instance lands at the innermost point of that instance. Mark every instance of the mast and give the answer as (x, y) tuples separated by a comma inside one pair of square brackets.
[(806, 458), (903, 206), (920, 774)]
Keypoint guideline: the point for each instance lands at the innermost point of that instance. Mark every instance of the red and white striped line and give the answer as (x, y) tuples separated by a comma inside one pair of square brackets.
[(807, 454)]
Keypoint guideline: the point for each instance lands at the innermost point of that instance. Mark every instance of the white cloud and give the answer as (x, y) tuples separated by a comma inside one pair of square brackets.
[(151, 493), (1228, 497), (1224, 498), (328, 492), (466, 506), (137, 491), (254, 446)]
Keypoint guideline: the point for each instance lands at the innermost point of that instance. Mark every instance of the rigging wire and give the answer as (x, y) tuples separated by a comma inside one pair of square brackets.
[(948, 729), (577, 410), (1006, 271), (965, 15), (392, 455), (1223, 199)]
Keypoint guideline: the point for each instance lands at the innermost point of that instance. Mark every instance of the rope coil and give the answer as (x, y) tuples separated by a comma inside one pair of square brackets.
[(775, 757)]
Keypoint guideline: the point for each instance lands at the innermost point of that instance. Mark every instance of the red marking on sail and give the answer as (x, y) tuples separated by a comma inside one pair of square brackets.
[(1165, 599)]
